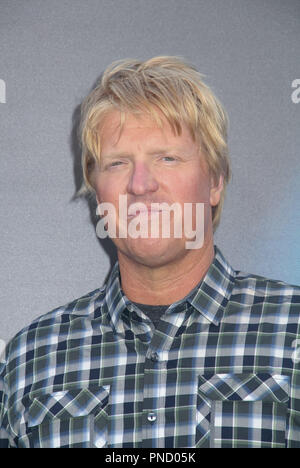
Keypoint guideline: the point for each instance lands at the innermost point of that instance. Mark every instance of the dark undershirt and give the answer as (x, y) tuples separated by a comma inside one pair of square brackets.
[(154, 312)]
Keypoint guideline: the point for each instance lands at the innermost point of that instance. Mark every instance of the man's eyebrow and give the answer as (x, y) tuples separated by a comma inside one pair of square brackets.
[(124, 154), (164, 150), (115, 155)]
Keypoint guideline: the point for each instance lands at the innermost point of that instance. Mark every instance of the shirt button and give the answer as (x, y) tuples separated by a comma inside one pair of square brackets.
[(151, 417), (154, 357)]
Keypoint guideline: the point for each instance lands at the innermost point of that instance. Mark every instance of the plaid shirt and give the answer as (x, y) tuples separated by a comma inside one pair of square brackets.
[(222, 369)]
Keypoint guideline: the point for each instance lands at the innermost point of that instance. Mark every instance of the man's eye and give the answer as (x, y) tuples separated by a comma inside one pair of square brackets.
[(168, 158), (114, 164)]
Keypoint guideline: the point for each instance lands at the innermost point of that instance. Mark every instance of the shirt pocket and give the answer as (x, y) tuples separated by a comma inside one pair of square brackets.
[(75, 418), (242, 410)]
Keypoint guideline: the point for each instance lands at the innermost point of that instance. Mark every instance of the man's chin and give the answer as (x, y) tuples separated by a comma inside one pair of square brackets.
[(152, 252)]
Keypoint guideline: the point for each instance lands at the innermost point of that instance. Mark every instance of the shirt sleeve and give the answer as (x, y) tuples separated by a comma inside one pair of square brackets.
[(6, 441)]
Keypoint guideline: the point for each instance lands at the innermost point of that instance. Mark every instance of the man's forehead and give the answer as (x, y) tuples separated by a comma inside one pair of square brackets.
[(115, 123), (116, 120)]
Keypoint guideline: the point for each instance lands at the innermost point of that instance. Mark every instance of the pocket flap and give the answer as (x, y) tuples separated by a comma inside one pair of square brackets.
[(67, 404), (246, 387)]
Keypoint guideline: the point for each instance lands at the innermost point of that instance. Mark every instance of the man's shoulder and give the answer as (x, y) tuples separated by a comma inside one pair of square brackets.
[(45, 327), (81, 306), (272, 290), (270, 304)]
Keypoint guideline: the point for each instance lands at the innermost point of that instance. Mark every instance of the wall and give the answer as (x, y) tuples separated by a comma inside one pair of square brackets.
[(53, 51)]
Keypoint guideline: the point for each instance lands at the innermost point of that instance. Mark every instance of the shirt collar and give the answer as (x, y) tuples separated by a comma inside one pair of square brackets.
[(115, 301), (210, 296), (213, 292)]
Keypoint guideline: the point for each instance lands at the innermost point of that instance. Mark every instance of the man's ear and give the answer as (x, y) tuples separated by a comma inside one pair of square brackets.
[(216, 190)]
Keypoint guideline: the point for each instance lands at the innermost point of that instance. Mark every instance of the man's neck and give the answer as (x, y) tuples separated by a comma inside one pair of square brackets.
[(165, 284)]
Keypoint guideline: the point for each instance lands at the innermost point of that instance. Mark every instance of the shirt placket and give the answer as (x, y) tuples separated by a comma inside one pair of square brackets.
[(155, 379)]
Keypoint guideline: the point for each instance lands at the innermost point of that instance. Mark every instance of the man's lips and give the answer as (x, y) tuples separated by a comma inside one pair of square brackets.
[(145, 212)]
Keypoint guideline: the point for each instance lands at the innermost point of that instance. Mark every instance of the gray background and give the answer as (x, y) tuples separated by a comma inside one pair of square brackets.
[(52, 52)]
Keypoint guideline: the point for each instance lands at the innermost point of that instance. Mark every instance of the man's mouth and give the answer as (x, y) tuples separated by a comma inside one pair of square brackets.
[(147, 212)]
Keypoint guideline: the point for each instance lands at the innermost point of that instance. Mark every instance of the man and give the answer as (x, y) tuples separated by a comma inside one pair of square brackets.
[(177, 349)]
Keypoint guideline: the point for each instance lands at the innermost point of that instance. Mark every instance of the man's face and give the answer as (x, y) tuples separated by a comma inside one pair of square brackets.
[(150, 164)]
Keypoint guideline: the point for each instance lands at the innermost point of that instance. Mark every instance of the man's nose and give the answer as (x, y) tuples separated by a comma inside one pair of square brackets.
[(142, 180)]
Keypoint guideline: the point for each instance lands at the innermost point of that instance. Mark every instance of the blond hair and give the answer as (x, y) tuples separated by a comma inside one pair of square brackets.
[(165, 84)]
